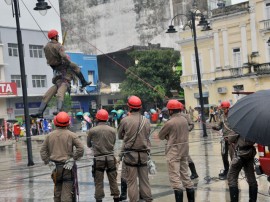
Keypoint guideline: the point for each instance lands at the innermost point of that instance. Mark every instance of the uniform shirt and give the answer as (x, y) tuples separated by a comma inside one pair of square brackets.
[(128, 129), (55, 53), (58, 146), (190, 122), (224, 125), (102, 139), (175, 131)]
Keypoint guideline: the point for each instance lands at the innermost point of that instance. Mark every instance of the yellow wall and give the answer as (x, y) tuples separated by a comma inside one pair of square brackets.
[(211, 77)]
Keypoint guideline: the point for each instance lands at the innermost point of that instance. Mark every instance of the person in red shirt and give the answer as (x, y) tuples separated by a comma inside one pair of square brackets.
[(16, 131)]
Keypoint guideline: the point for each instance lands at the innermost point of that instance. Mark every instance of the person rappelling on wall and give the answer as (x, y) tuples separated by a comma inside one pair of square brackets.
[(64, 72), (58, 59)]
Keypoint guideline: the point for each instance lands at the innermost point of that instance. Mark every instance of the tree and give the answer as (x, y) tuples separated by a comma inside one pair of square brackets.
[(155, 68)]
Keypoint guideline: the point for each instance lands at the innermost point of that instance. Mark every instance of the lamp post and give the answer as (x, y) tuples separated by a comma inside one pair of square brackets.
[(15, 6), (16, 13), (192, 25)]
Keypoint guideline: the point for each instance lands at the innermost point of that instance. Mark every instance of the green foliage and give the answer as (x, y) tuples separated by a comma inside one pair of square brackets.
[(67, 102), (155, 68), (119, 104)]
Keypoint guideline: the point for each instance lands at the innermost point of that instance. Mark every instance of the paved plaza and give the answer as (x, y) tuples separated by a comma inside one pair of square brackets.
[(20, 183)]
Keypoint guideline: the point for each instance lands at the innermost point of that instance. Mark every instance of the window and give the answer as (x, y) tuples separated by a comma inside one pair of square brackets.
[(13, 49), (16, 79), (91, 77), (237, 57), (36, 51), (39, 81), (267, 5)]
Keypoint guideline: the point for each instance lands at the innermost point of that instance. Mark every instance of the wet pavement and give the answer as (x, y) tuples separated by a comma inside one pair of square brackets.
[(20, 183)]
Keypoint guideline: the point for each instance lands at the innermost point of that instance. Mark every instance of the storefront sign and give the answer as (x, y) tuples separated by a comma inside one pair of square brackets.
[(8, 88)]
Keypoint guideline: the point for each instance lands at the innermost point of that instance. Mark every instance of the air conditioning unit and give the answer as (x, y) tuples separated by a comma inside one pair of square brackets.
[(222, 90)]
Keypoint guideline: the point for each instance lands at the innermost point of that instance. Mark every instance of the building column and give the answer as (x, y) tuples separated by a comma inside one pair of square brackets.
[(212, 66), (244, 43), (217, 53), (183, 65), (225, 47), (254, 47)]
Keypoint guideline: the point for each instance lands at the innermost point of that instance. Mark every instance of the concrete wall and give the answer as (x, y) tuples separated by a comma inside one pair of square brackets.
[(110, 25)]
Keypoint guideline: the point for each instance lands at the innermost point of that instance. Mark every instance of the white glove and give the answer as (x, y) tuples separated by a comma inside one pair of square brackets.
[(69, 164), (51, 165), (151, 167)]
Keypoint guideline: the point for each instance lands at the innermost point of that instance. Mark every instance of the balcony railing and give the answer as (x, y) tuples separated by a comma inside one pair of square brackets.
[(262, 68), (227, 73), (236, 8)]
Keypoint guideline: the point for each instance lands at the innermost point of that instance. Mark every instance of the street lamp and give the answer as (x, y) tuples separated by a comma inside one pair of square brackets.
[(16, 13), (42, 7), (15, 10), (191, 17)]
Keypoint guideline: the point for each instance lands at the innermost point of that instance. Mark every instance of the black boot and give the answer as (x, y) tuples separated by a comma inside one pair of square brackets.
[(192, 168), (253, 191), (178, 195), (83, 81), (98, 200), (234, 192), (59, 107), (223, 175), (190, 195), (116, 199), (41, 109), (123, 195)]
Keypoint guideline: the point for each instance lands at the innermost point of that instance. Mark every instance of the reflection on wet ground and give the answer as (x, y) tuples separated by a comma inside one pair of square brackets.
[(21, 183)]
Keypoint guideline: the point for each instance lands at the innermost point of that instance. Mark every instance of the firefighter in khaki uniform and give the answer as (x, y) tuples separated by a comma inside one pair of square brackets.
[(57, 151), (101, 139), (176, 132), (64, 72), (134, 130), (226, 147), (191, 164), (58, 59)]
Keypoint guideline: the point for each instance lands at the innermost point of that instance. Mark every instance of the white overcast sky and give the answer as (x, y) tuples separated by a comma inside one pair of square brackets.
[(50, 21), (238, 1)]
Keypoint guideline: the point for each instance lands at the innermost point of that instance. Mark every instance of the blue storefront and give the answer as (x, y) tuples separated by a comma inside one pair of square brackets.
[(85, 101)]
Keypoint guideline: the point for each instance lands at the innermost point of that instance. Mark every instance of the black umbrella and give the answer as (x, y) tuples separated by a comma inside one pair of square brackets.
[(250, 117)]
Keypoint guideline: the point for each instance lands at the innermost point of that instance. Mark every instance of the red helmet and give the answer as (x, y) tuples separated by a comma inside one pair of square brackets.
[(61, 120), (175, 104), (52, 33), (134, 102), (102, 115), (225, 104)]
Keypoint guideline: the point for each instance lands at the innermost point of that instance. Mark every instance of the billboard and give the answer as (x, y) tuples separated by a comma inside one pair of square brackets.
[(7, 88)]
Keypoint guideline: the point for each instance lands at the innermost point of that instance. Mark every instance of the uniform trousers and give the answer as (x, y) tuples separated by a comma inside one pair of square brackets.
[(59, 89), (110, 168), (236, 165), (63, 190), (179, 173), (132, 173)]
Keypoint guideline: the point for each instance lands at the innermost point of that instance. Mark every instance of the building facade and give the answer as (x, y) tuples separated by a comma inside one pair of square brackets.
[(111, 25), (233, 56), (38, 74)]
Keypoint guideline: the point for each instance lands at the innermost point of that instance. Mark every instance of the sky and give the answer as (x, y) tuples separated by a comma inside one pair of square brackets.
[(238, 1), (50, 21)]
